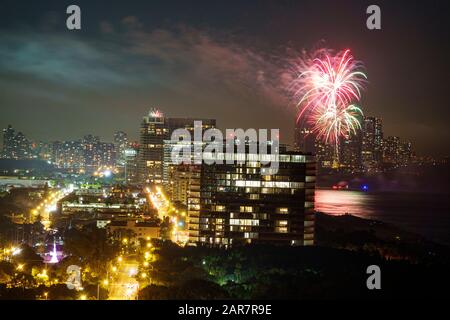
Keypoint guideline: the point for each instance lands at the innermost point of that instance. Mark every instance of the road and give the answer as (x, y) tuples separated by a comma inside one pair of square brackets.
[(125, 286), (164, 207)]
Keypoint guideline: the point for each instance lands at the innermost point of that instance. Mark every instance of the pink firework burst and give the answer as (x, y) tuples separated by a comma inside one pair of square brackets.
[(326, 89)]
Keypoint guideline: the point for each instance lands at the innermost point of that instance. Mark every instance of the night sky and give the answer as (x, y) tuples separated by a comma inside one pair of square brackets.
[(214, 59)]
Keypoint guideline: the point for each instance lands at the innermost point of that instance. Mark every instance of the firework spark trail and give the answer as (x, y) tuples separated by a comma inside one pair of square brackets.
[(326, 88)]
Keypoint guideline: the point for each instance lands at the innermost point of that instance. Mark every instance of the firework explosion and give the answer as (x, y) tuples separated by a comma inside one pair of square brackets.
[(326, 88)]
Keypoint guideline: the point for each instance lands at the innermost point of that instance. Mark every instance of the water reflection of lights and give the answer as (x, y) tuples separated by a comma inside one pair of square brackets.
[(341, 202)]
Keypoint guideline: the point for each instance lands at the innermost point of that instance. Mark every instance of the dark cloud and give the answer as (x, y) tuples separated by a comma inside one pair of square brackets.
[(213, 59), (182, 70)]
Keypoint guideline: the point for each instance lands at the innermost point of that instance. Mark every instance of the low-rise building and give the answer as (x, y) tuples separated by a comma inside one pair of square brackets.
[(133, 230)]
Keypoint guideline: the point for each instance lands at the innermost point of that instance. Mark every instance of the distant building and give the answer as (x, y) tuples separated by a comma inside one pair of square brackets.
[(68, 155), (232, 204), (182, 123), (406, 153), (93, 202), (44, 151), (133, 230), (8, 143), (151, 147), (7, 182), (391, 150), (15, 145), (304, 138), (372, 143), (97, 154), (85, 155), (188, 124), (325, 155), (90, 152), (120, 144), (155, 129), (180, 178), (396, 152), (131, 163), (350, 152), (106, 155)]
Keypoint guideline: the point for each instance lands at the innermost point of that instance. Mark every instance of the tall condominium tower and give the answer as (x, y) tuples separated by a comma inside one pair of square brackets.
[(151, 147), (156, 130), (231, 204), (187, 124), (120, 145), (350, 152), (15, 145), (372, 143), (304, 138)]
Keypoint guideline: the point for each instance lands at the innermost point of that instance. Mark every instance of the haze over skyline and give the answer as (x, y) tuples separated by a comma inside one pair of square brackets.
[(213, 59)]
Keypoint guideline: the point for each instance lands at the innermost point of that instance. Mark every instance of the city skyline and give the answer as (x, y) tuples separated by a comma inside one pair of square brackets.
[(135, 139), (241, 151), (367, 150), (123, 62)]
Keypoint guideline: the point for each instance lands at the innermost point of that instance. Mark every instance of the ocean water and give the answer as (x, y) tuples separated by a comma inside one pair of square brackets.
[(423, 213)]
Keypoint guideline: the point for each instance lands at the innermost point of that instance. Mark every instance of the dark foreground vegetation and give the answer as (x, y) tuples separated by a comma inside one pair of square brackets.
[(335, 268), (270, 272)]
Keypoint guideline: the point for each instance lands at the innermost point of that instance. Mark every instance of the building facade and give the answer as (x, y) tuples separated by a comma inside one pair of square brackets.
[(396, 153), (155, 143), (151, 147), (372, 143), (120, 144), (304, 138), (16, 145), (350, 152), (231, 204)]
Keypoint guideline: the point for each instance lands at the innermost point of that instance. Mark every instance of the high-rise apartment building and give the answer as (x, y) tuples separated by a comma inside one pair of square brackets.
[(304, 138), (187, 124), (131, 163), (350, 152), (155, 131), (151, 147), (372, 143), (68, 154), (120, 144), (325, 155), (15, 145), (396, 152), (85, 155), (8, 143), (97, 154), (180, 179), (231, 204), (90, 145)]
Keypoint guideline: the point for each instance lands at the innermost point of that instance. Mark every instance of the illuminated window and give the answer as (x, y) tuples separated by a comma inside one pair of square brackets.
[(250, 235), (246, 209), (282, 210), (244, 222), (254, 196), (281, 229)]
